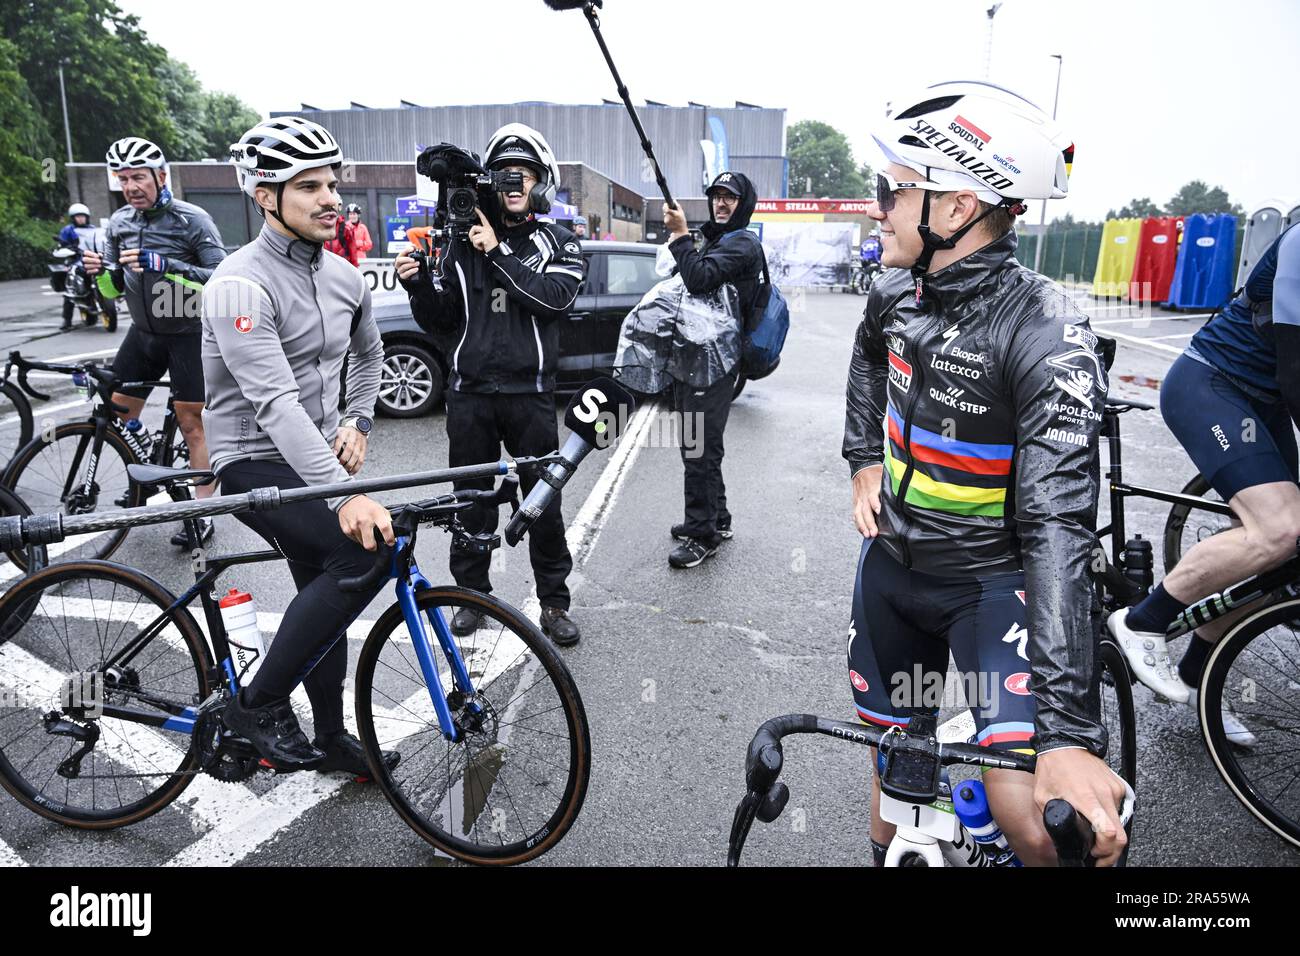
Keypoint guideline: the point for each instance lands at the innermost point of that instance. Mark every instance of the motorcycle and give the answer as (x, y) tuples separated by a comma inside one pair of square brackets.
[(68, 277)]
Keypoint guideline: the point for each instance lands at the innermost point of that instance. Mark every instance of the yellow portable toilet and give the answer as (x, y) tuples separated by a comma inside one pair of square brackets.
[(1119, 248)]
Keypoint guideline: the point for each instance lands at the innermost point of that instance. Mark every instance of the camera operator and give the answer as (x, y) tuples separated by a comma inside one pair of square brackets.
[(496, 298)]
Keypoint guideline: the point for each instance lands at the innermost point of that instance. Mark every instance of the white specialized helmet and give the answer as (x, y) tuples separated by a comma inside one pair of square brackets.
[(132, 152), (970, 135), (276, 150), (517, 143), (78, 209)]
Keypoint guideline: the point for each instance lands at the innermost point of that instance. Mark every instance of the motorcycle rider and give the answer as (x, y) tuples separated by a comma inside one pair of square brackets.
[(79, 234)]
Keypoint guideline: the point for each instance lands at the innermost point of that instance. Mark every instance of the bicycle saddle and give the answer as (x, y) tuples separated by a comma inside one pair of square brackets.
[(162, 475)]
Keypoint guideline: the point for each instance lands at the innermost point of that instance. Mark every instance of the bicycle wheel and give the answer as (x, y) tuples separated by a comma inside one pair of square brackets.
[(52, 473), (15, 421), (1186, 526), (510, 789), (1254, 671), (61, 755), (1120, 721)]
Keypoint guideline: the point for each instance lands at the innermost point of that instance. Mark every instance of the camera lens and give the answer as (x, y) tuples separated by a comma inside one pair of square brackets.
[(461, 202)]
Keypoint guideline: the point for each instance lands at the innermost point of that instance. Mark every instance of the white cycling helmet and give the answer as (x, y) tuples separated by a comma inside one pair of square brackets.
[(517, 143), (276, 150), (78, 209), (132, 152), (970, 135)]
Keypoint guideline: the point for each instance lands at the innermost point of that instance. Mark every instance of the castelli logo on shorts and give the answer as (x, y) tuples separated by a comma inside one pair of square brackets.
[(1018, 684), (858, 681), (243, 323)]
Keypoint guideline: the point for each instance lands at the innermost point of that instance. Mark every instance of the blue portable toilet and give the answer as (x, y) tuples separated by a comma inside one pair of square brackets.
[(1203, 274)]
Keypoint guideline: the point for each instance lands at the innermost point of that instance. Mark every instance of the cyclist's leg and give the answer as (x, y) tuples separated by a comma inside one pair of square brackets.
[(891, 662), (989, 640), (307, 532), (324, 685), (138, 359), (1246, 450), (528, 429), (185, 371), (473, 437)]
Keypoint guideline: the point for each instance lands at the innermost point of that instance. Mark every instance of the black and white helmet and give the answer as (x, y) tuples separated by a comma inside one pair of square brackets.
[(132, 152), (276, 150), (516, 143)]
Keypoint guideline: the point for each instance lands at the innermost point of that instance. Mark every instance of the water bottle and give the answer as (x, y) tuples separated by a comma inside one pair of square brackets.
[(239, 615), (1138, 566), (136, 429), (972, 807)]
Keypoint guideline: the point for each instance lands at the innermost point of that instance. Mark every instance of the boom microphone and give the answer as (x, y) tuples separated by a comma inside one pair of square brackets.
[(571, 4), (594, 417)]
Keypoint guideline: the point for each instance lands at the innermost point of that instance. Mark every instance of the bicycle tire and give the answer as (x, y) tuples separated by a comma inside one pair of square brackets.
[(13, 395), (1176, 523), (35, 556), (1229, 759), (31, 475), (1120, 719), (566, 732), (40, 665)]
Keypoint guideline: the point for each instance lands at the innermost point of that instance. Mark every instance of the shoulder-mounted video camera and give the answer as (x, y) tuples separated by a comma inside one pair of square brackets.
[(463, 186)]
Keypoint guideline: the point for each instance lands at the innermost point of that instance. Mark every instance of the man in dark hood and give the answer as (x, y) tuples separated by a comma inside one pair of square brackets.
[(730, 254)]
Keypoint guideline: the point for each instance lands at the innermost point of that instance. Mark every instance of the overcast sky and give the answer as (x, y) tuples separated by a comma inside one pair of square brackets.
[(1154, 93)]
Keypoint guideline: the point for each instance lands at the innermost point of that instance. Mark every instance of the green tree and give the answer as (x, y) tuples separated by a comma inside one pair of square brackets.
[(820, 153), (1196, 197), (225, 118), (29, 180), (110, 71), (869, 179), (186, 107), (1142, 208)]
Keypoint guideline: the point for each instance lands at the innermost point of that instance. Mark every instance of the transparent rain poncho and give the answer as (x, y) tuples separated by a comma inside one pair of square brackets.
[(672, 335)]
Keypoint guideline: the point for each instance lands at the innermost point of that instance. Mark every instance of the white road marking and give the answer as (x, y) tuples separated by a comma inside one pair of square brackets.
[(13, 419), (1138, 340), (1142, 318), (1176, 335), (9, 856)]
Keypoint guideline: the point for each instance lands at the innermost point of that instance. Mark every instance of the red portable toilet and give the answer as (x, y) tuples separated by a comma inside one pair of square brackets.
[(1156, 257)]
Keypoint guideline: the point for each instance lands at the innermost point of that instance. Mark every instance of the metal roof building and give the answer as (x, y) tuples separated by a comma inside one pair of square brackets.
[(601, 136)]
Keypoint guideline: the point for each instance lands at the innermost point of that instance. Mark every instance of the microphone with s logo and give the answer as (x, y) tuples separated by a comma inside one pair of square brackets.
[(594, 418)]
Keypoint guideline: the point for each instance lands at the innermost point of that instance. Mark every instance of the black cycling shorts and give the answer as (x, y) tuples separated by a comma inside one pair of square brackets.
[(905, 622), (1235, 440), (145, 356)]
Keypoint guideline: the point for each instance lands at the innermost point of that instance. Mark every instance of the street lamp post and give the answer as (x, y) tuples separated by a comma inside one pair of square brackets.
[(67, 128), (1042, 219), (988, 46)]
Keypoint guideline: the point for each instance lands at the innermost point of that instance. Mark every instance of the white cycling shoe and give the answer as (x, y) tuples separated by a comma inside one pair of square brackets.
[(1236, 732), (1148, 655)]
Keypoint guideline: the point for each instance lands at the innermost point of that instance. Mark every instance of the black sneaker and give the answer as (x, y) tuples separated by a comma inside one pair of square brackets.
[(343, 752), (559, 627), (207, 527), (274, 733), (465, 622), (691, 552), (678, 531)]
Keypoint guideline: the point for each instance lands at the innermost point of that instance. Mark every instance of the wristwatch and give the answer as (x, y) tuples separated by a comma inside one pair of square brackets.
[(359, 422)]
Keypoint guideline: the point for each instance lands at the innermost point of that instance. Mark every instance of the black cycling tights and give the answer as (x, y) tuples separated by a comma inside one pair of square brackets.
[(307, 647)]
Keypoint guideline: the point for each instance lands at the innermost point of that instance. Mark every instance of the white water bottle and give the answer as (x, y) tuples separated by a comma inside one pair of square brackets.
[(239, 615)]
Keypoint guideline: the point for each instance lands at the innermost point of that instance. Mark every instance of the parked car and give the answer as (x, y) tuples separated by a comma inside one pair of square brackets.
[(414, 373)]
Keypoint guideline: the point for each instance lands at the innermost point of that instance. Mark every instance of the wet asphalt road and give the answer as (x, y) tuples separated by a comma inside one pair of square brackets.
[(676, 668)]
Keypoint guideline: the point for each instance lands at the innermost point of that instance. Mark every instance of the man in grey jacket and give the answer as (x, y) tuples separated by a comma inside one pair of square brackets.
[(278, 318)]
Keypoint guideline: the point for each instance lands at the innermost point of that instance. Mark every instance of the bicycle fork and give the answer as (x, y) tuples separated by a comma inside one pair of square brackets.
[(407, 589)]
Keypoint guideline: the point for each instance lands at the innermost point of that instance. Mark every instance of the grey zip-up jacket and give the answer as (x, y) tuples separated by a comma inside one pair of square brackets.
[(984, 403), (278, 316)]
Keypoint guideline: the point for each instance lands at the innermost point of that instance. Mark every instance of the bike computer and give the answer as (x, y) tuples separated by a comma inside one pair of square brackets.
[(912, 765)]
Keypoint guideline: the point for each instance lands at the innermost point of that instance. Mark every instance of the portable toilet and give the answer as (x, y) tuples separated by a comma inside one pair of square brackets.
[(1203, 274), (1119, 246), (1157, 255), (1293, 216), (1264, 225)]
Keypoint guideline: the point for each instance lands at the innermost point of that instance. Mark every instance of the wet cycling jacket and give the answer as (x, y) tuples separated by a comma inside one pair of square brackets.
[(983, 402), (279, 316), (162, 303)]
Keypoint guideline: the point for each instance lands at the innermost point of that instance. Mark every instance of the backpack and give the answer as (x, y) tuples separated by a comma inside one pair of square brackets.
[(765, 329)]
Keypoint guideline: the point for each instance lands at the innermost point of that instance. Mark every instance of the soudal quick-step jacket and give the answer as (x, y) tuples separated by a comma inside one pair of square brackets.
[(983, 402), (497, 315)]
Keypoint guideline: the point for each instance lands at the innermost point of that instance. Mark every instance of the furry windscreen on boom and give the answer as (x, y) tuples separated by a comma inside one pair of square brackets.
[(571, 4)]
